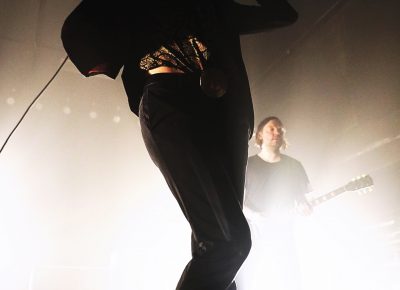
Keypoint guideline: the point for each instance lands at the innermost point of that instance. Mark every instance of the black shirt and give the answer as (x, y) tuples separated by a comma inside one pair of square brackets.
[(102, 37), (274, 186)]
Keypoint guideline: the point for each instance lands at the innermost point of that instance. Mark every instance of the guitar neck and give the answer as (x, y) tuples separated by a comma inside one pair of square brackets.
[(363, 182), (325, 197)]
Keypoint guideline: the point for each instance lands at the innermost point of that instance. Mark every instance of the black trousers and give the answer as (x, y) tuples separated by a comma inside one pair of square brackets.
[(200, 146)]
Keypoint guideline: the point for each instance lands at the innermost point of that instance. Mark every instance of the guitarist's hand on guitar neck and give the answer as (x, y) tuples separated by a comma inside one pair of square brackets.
[(363, 183), (303, 207)]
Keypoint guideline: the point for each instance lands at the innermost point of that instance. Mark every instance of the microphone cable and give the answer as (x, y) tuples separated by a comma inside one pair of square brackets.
[(34, 101)]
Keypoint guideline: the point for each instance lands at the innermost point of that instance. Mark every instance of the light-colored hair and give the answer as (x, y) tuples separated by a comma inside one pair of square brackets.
[(261, 126)]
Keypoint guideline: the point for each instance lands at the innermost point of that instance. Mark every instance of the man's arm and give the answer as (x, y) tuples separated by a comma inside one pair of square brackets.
[(302, 205), (269, 15)]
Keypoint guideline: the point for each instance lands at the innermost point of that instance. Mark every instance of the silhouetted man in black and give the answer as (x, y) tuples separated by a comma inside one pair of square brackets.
[(185, 77)]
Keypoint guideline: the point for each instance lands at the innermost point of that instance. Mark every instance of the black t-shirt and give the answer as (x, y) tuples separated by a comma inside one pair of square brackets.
[(274, 186)]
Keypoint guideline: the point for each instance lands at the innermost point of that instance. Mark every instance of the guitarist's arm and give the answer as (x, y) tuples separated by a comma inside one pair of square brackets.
[(302, 206)]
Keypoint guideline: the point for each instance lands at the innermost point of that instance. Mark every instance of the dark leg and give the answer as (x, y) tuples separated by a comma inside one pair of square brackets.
[(201, 160)]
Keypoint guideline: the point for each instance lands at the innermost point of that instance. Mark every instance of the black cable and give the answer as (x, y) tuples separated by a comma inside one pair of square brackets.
[(33, 102)]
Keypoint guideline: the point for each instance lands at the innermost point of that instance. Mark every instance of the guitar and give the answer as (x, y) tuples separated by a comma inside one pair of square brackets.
[(362, 183)]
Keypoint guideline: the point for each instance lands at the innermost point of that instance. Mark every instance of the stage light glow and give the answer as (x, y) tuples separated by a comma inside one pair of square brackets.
[(10, 101), (353, 254), (38, 106), (16, 225), (93, 115), (116, 119), (153, 240), (67, 110)]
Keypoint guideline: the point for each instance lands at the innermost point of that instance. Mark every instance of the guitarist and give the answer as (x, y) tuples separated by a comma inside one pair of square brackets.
[(274, 181), (276, 185)]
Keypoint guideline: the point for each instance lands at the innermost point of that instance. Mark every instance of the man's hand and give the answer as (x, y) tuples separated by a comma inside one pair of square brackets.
[(303, 207)]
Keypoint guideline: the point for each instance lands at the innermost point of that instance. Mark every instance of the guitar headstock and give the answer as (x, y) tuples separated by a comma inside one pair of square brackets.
[(363, 182)]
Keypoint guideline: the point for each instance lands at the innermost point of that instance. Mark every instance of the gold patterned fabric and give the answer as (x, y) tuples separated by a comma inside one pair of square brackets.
[(187, 55)]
